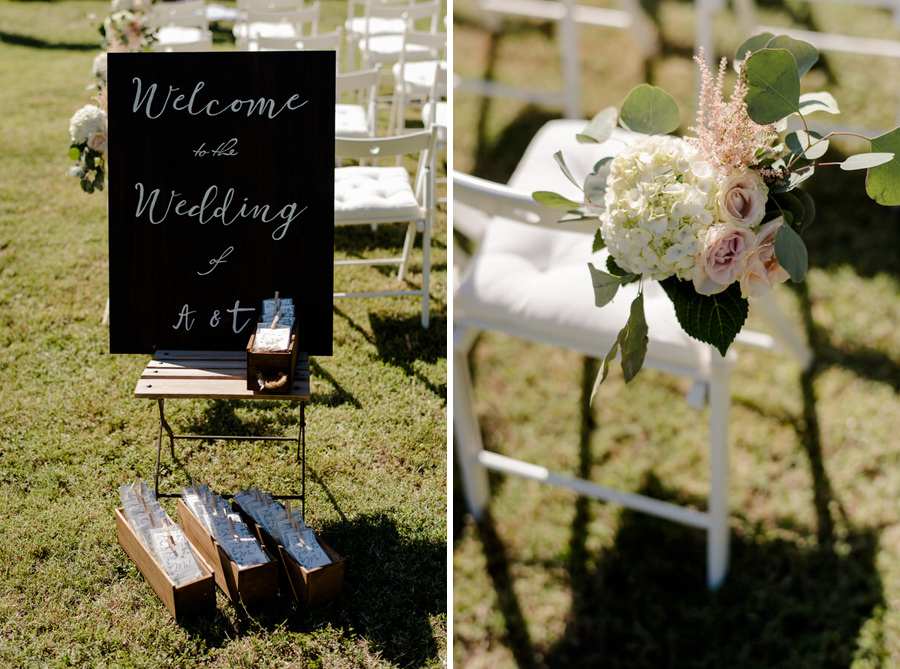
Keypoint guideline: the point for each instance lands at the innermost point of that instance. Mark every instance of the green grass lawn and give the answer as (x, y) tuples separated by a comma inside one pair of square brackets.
[(71, 431), (556, 581)]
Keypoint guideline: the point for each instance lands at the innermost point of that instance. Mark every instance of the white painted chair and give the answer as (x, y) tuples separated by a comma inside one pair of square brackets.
[(180, 26), (528, 278), (257, 23), (378, 194), (354, 109), (569, 17), (359, 24), (330, 41), (414, 74)]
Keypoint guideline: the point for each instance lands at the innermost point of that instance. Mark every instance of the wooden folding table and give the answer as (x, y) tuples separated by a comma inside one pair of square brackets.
[(218, 375)]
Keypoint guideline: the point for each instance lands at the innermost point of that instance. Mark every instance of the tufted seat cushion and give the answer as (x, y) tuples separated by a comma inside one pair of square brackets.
[(532, 279), (368, 191), (350, 121)]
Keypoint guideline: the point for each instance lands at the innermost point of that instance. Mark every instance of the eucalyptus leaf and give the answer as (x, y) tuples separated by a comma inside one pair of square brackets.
[(634, 344), (712, 319), (605, 286), (809, 145), (863, 161), (810, 103), (773, 84), (794, 179), (791, 253), (554, 200), (790, 206), (650, 110), (599, 243), (607, 361), (805, 54), (558, 157), (883, 181), (752, 44), (600, 128), (595, 182)]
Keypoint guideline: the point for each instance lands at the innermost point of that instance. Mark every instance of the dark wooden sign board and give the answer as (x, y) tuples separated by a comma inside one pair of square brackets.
[(221, 192)]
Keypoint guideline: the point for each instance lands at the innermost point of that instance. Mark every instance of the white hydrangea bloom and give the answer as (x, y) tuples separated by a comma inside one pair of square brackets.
[(660, 196), (98, 70), (87, 121)]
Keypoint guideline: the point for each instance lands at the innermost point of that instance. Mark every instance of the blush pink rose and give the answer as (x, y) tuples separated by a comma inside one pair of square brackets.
[(761, 269), (721, 257), (742, 198), (99, 142)]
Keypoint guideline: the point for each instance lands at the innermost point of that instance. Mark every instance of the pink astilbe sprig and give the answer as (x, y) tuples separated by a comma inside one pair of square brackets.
[(726, 136)]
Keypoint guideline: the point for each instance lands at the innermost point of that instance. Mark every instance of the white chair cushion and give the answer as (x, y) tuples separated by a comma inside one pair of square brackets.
[(536, 280), (358, 25), (350, 121), (178, 35), (387, 46), (418, 76), (379, 192), (440, 113)]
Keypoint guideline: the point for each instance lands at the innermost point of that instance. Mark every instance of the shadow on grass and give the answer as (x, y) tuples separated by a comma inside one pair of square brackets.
[(403, 341), (337, 396), (34, 43), (393, 585)]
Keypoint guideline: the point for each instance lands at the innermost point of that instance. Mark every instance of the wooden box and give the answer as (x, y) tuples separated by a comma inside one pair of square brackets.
[(249, 584), (308, 586), (194, 598), (271, 367)]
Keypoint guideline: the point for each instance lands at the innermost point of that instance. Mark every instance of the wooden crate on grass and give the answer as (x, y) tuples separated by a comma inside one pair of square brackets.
[(308, 586), (195, 598), (249, 584)]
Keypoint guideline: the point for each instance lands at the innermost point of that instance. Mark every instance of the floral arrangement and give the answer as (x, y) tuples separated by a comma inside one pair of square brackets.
[(715, 217), (89, 134), (125, 29)]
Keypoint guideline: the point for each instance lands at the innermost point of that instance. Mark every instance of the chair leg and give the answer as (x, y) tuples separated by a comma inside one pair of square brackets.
[(718, 531), (467, 444), (407, 250)]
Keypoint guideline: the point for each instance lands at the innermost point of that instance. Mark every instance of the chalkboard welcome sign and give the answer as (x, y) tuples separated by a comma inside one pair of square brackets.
[(221, 192)]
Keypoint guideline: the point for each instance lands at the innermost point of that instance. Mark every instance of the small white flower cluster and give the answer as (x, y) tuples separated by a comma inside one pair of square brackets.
[(660, 197), (88, 121)]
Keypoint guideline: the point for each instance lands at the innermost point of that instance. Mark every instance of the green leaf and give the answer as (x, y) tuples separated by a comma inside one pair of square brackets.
[(605, 286), (863, 161), (809, 145), (794, 179), (595, 182), (634, 342), (791, 253), (712, 319), (553, 200), (604, 365), (599, 243), (752, 44), (883, 181), (558, 157), (804, 53), (790, 206), (650, 110), (600, 128), (810, 103), (809, 208), (773, 85)]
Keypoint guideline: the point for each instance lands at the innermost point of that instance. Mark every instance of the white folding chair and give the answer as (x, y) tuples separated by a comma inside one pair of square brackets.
[(359, 24), (569, 16), (385, 47), (180, 26), (330, 41), (257, 23), (354, 109), (528, 278), (377, 194), (414, 74)]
